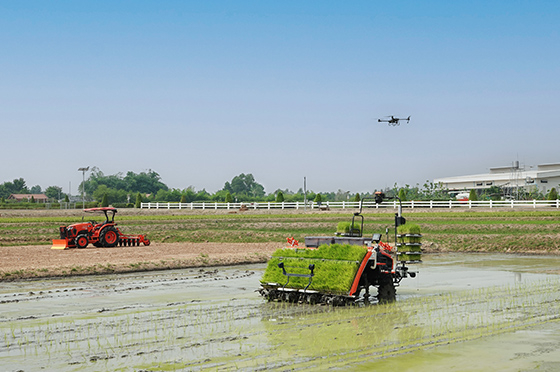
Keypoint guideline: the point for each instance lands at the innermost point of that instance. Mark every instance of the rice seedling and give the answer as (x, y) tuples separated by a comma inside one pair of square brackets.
[(336, 266)]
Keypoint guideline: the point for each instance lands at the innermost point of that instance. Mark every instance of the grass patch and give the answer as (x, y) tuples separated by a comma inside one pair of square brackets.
[(442, 231)]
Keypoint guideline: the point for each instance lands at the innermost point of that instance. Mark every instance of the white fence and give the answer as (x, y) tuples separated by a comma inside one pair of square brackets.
[(431, 204)]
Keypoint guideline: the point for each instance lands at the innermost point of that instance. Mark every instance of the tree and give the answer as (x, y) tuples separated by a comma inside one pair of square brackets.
[(116, 196), (431, 191), (493, 193), (144, 182), (341, 195), (357, 197), (402, 194), (202, 195), (552, 194), (473, 196), (228, 199), (138, 203), (318, 199), (35, 189), (54, 192), (19, 187), (183, 199), (244, 185), (4, 192), (66, 199), (105, 201), (279, 197)]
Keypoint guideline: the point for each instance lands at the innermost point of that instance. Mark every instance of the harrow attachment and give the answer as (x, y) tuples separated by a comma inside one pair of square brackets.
[(133, 240)]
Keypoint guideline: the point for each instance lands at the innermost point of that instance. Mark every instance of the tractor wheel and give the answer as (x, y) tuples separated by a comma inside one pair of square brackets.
[(109, 237), (146, 242), (81, 241), (386, 292)]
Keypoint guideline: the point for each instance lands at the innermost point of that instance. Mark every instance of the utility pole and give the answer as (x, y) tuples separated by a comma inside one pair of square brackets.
[(304, 194), (83, 170)]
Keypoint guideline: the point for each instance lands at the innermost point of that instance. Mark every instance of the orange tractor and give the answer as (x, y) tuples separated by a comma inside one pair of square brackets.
[(104, 234)]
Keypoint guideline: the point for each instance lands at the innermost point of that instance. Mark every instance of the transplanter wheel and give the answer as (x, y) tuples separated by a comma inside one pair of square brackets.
[(313, 298), (81, 241), (386, 291), (109, 237)]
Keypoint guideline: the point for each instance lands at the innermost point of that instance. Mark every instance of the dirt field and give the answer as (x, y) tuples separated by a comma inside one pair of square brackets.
[(41, 261)]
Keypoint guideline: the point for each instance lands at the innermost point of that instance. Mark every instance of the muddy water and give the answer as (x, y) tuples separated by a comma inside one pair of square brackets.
[(462, 312)]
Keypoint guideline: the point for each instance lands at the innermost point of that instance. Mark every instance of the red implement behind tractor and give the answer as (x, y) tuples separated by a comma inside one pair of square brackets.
[(104, 234)]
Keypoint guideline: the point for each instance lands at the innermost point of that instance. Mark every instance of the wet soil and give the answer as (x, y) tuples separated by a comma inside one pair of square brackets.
[(463, 312), (18, 262)]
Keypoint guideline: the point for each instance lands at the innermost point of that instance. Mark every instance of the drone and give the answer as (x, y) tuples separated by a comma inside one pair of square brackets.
[(393, 120)]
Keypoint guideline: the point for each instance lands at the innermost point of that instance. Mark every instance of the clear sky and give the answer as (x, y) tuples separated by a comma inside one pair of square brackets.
[(203, 91)]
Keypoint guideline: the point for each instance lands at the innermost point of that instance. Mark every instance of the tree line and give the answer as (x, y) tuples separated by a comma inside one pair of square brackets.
[(19, 186), (133, 188)]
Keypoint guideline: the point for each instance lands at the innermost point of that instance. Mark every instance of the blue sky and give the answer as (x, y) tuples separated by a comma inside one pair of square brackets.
[(203, 91)]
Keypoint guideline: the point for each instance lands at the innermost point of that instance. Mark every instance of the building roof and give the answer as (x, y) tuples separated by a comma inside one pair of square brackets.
[(28, 196), (502, 176)]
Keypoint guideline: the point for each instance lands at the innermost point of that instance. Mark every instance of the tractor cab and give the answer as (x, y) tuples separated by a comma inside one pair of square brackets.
[(109, 213), (106, 211)]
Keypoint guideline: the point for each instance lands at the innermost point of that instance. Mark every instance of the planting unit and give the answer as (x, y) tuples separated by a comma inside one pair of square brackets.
[(105, 234), (336, 269), (409, 243)]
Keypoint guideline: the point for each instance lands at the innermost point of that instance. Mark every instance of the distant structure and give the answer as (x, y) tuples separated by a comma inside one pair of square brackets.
[(511, 179), (28, 197)]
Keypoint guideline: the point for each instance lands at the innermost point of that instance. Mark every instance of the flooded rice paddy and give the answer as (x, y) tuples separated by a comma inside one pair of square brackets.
[(463, 312)]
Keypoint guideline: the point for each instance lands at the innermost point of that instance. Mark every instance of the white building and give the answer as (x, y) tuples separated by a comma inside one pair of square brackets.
[(543, 178)]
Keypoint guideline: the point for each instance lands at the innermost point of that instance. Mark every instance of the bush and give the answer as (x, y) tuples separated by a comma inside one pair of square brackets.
[(473, 196), (552, 194), (104, 201), (123, 205), (279, 197), (22, 205), (138, 203)]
